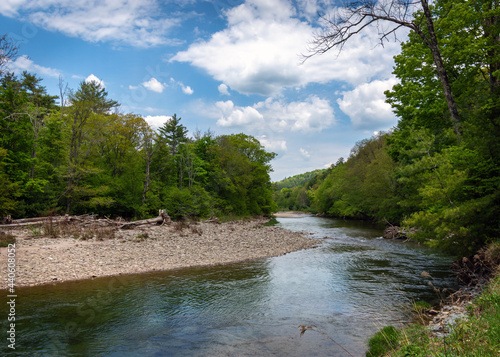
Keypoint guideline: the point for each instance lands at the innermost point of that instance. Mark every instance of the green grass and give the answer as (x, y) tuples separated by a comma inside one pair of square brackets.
[(272, 221), (383, 341)]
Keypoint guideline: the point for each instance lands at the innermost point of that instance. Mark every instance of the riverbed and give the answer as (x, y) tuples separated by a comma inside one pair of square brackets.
[(350, 285)]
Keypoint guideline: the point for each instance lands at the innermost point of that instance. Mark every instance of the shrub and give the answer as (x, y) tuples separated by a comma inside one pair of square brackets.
[(6, 239)]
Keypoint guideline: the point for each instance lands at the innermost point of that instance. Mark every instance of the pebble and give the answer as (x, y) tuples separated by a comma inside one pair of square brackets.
[(164, 248)]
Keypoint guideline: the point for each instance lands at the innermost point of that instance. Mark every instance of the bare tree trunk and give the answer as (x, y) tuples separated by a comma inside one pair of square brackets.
[(442, 74), (491, 27), (359, 15), (36, 123), (147, 179)]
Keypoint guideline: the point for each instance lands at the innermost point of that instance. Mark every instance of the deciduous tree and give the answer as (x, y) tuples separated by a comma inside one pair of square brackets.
[(357, 16)]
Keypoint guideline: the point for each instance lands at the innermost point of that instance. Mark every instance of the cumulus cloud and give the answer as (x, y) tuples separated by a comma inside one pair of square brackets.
[(366, 106), (223, 89), (272, 144), (93, 78), (258, 52), (23, 63), (232, 115), (187, 89), (311, 115), (137, 23), (154, 85), (156, 121)]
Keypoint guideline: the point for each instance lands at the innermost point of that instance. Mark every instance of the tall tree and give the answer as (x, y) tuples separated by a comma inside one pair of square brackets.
[(243, 174), (9, 192), (174, 133), (357, 16), (38, 106), (87, 103), (147, 139)]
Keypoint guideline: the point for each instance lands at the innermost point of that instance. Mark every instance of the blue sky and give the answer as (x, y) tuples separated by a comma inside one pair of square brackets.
[(228, 66)]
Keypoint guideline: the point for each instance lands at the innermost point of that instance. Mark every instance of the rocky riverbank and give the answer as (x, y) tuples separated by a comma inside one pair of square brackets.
[(454, 309), (42, 260)]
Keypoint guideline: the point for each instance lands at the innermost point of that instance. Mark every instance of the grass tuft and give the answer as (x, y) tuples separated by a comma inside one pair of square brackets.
[(6, 239), (384, 341)]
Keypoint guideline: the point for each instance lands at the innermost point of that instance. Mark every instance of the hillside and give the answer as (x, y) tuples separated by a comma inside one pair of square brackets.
[(296, 180)]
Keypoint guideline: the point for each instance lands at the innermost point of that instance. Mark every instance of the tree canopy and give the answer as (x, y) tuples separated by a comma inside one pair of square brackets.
[(87, 157), (418, 174)]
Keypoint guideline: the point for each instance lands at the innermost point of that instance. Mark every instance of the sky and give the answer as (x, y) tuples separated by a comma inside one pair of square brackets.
[(225, 66)]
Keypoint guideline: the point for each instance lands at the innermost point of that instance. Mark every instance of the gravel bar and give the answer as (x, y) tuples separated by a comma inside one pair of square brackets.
[(43, 260)]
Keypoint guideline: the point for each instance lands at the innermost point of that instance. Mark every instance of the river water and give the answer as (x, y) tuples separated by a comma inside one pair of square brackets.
[(348, 287)]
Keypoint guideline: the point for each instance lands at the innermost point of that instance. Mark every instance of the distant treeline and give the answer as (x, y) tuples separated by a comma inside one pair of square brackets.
[(429, 172), (296, 180), (86, 157)]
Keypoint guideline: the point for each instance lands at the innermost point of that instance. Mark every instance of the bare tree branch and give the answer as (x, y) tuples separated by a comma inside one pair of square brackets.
[(8, 52), (358, 16)]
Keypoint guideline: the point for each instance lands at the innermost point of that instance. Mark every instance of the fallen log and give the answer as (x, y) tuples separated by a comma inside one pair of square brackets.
[(212, 219), (26, 222), (163, 218)]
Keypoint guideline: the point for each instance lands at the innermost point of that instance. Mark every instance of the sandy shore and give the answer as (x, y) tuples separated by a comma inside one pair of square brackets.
[(291, 214), (42, 260)]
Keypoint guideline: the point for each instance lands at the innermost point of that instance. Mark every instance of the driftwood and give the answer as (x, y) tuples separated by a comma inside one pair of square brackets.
[(212, 219), (477, 269), (396, 232), (26, 222), (163, 218)]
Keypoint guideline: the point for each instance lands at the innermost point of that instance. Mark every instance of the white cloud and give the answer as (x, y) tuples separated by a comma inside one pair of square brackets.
[(238, 116), (93, 78), (23, 63), (366, 106), (138, 23), (223, 89), (271, 115), (272, 144), (9, 8), (305, 153), (154, 85), (156, 121), (258, 53), (187, 89), (310, 8)]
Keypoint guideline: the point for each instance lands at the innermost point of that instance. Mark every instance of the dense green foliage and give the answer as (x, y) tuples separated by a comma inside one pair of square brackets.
[(292, 193), (423, 173), (297, 180), (85, 157)]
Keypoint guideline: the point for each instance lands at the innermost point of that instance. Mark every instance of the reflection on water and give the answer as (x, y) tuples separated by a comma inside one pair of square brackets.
[(350, 286)]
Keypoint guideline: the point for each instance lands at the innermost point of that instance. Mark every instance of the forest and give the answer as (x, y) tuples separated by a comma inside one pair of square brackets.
[(432, 172), (83, 156), (437, 170)]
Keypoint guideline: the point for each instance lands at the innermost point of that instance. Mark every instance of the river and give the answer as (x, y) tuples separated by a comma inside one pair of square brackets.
[(348, 287)]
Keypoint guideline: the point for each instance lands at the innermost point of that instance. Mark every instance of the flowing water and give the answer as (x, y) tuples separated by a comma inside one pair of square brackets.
[(348, 287)]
